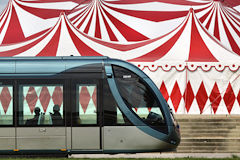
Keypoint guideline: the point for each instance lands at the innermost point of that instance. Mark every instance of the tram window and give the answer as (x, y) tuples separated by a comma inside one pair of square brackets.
[(85, 112), (6, 105), (138, 96), (112, 114), (41, 105)]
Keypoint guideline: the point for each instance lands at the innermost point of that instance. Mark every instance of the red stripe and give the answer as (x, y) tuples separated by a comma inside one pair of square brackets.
[(203, 18), (36, 35), (231, 40), (14, 31), (216, 27), (122, 47), (82, 48), (78, 15), (236, 23), (51, 48), (97, 30), (80, 24), (109, 30), (161, 50), (155, 16), (199, 52), (22, 49), (210, 19), (129, 33), (89, 23), (40, 12)]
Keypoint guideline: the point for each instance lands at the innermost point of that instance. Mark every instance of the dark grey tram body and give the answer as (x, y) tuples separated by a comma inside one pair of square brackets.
[(104, 106)]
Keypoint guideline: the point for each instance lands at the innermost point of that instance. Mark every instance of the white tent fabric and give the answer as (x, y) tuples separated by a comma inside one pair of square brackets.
[(199, 91)]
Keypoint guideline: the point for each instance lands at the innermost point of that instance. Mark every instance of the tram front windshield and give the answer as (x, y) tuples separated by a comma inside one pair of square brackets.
[(138, 96)]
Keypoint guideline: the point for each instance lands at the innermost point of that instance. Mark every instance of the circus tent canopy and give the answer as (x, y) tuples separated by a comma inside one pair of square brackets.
[(224, 23), (28, 19), (199, 45), (130, 20), (65, 39), (120, 21)]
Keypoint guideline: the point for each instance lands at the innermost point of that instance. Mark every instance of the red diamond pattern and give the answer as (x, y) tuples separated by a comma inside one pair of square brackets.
[(57, 96), (201, 97), (94, 97), (5, 98), (31, 98), (164, 91), (149, 109), (44, 98), (84, 98), (176, 96), (188, 96), (229, 98), (136, 109), (215, 98), (238, 97)]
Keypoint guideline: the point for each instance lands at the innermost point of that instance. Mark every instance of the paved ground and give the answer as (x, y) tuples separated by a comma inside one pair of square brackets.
[(159, 155)]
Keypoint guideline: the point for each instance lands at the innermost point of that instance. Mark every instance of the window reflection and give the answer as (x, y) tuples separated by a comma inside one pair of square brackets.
[(86, 104), (6, 105), (138, 97), (40, 105)]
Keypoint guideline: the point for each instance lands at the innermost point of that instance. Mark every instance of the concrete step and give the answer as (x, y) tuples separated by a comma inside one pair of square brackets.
[(209, 133), (206, 144)]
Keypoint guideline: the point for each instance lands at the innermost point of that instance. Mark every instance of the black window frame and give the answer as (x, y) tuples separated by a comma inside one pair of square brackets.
[(41, 81), (12, 83), (85, 81)]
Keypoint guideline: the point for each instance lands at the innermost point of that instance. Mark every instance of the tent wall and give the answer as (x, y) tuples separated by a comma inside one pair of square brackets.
[(199, 91)]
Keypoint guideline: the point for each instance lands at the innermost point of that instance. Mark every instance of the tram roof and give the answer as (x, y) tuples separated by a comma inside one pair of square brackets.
[(38, 65), (57, 58)]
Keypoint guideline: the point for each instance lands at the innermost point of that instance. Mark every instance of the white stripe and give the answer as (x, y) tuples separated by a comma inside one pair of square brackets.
[(66, 46), (212, 23), (178, 52), (237, 8), (104, 33), (117, 34), (41, 45), (76, 22), (84, 25), (92, 27), (31, 24), (71, 15), (204, 12), (220, 53), (223, 36), (18, 45), (231, 30)]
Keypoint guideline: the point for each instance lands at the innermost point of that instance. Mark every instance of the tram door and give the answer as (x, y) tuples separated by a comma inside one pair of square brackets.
[(85, 115), (40, 115)]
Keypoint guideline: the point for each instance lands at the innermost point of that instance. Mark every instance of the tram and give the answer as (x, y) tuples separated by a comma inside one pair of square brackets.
[(81, 105)]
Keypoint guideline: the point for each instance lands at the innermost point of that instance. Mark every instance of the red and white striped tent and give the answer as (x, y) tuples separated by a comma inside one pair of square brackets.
[(197, 73)]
